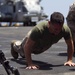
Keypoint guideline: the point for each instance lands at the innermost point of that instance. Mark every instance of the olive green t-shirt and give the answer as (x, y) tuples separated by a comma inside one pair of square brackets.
[(44, 39)]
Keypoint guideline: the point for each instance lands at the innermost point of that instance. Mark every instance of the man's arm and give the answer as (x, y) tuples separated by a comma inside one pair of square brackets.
[(70, 51), (27, 49)]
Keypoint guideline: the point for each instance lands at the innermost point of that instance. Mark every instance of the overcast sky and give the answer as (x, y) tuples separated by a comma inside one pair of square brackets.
[(56, 5)]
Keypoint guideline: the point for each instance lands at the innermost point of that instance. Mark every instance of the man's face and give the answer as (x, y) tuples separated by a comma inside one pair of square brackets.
[(56, 28)]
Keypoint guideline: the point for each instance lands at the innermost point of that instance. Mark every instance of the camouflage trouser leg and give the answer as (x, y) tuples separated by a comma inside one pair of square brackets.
[(17, 47), (71, 25), (24, 40), (74, 46)]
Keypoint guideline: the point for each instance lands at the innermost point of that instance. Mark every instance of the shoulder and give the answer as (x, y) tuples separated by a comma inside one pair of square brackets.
[(42, 25), (39, 27)]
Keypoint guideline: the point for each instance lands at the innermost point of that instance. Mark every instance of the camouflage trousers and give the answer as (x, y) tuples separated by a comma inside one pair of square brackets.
[(18, 46), (71, 25)]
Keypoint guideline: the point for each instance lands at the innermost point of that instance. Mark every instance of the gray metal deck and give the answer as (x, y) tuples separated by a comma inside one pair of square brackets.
[(50, 62)]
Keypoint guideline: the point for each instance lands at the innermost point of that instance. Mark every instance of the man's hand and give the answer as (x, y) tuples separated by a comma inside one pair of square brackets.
[(69, 63), (33, 66)]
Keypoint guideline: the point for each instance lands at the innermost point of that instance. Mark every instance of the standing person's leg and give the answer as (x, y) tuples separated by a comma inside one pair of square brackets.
[(74, 40), (71, 25), (71, 22)]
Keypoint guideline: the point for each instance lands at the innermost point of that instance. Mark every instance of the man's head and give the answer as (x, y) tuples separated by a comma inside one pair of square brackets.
[(57, 18), (56, 22)]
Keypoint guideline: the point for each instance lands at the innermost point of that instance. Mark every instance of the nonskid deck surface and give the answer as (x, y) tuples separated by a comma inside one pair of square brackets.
[(50, 62)]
